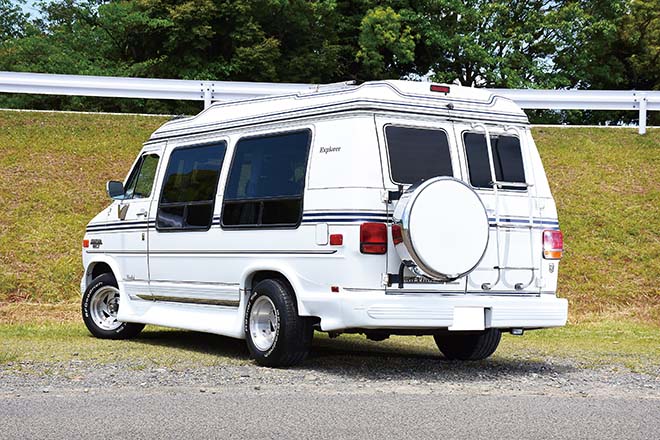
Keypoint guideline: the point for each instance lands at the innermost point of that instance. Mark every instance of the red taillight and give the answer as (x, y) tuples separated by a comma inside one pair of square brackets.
[(85, 243), (553, 245), (373, 238), (336, 239), (441, 89), (396, 234)]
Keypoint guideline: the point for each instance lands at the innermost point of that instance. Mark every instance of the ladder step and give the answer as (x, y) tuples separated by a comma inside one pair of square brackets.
[(500, 184), (513, 225), (514, 268)]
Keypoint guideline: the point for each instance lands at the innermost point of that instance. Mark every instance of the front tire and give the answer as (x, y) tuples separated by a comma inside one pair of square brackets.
[(276, 336), (468, 346), (100, 305)]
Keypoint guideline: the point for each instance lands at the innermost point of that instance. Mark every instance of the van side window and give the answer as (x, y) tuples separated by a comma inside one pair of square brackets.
[(507, 159), (417, 154), (189, 187), (266, 181), (141, 181)]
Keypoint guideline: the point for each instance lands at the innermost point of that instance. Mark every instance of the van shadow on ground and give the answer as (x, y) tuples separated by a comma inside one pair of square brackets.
[(362, 359)]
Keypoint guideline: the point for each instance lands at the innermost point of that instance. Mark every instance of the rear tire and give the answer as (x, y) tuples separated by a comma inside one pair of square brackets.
[(468, 346), (276, 336), (100, 305)]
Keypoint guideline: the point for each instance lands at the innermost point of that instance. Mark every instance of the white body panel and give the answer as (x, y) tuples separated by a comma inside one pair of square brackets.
[(200, 279)]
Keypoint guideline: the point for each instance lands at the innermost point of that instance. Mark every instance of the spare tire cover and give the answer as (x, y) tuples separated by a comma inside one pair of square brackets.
[(444, 226)]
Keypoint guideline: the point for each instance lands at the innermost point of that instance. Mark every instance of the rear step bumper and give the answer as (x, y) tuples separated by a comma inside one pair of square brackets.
[(376, 310)]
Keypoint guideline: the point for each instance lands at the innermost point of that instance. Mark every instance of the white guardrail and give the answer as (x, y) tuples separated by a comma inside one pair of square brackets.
[(209, 91)]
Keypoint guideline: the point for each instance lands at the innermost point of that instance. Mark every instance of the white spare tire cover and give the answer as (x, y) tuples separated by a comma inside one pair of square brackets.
[(444, 226)]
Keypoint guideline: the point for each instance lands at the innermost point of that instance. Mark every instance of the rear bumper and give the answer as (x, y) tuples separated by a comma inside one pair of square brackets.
[(377, 310)]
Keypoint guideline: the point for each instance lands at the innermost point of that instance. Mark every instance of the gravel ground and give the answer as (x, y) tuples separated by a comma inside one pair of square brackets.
[(327, 372), (335, 394)]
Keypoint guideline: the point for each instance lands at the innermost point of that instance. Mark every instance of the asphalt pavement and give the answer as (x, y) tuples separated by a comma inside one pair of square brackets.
[(248, 411)]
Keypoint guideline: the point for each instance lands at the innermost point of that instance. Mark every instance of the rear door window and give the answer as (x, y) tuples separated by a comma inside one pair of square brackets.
[(507, 160), (189, 187), (266, 181), (417, 154)]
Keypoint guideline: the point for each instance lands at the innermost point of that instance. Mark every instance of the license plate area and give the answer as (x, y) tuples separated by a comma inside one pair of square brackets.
[(468, 319)]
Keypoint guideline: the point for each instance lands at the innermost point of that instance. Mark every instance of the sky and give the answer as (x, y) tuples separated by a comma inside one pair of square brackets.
[(29, 7)]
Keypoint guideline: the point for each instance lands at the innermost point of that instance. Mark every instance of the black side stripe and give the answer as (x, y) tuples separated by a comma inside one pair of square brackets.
[(123, 223)]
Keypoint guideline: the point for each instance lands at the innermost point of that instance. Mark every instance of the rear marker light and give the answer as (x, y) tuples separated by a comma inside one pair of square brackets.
[(396, 234), (553, 244), (85, 243), (334, 289), (336, 239), (440, 89), (373, 238)]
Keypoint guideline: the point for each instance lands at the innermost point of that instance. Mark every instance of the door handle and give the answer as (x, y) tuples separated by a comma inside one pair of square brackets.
[(141, 213)]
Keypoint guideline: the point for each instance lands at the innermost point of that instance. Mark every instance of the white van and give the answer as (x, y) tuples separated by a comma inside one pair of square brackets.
[(385, 208)]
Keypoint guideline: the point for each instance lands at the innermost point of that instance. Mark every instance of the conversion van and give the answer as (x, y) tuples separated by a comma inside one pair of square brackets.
[(386, 208)]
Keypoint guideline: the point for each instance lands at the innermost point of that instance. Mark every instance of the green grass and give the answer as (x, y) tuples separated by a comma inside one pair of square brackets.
[(55, 342), (53, 167), (607, 186), (611, 345), (52, 172)]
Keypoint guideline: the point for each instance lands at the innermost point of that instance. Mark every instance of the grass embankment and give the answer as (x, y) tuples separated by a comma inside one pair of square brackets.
[(606, 182), (53, 167)]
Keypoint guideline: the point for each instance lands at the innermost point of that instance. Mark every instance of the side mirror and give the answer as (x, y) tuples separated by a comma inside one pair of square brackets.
[(115, 189)]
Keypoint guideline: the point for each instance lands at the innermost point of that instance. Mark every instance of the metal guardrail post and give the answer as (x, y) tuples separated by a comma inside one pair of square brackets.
[(643, 103), (207, 95)]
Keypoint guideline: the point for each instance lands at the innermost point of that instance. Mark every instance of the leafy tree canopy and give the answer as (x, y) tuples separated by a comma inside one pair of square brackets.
[(13, 20), (492, 43)]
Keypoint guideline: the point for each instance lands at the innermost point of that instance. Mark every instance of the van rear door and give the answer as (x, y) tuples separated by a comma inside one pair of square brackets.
[(512, 260), (412, 150)]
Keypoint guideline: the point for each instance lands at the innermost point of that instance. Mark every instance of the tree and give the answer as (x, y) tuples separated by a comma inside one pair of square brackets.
[(615, 45), (489, 43), (13, 21), (387, 43), (639, 36)]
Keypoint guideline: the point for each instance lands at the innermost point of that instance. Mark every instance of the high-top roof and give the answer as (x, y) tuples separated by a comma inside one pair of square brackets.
[(462, 103)]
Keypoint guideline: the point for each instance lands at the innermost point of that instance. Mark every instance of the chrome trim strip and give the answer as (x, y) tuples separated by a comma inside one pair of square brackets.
[(201, 283), (459, 293), (176, 299)]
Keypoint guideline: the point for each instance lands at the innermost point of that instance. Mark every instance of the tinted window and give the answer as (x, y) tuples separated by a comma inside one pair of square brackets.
[(266, 181), (417, 154), (507, 160), (189, 187), (141, 182)]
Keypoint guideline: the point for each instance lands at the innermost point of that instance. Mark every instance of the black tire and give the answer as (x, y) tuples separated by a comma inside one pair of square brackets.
[(99, 286), (292, 334), (468, 346)]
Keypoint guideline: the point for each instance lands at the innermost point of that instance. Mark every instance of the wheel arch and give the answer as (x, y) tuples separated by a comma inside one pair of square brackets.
[(99, 266), (255, 274)]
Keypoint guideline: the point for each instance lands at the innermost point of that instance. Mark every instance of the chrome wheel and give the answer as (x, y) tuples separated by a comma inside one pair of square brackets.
[(103, 308), (263, 323)]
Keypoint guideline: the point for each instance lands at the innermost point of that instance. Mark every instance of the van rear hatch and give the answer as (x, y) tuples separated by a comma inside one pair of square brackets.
[(498, 165)]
